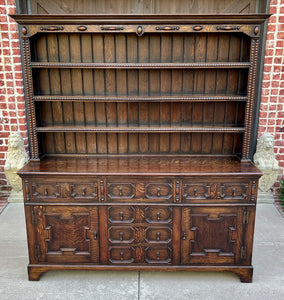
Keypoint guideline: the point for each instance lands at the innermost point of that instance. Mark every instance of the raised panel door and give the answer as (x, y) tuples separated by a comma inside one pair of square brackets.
[(66, 234), (213, 235)]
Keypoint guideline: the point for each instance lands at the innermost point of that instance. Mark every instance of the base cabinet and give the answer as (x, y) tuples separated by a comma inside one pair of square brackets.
[(109, 225), (163, 235)]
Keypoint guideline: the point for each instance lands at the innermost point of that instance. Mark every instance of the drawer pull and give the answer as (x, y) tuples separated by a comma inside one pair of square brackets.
[(234, 192), (158, 235), (120, 191), (158, 216), (121, 216), (158, 255), (102, 187), (84, 191), (177, 190), (158, 192), (45, 192), (121, 256), (95, 235), (195, 192), (183, 235), (121, 235)]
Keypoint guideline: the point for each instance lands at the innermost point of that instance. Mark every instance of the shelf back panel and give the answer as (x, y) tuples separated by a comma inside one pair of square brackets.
[(140, 143), (136, 114), (153, 49)]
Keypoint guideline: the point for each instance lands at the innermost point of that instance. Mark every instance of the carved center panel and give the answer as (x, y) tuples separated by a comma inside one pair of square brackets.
[(67, 235), (213, 234)]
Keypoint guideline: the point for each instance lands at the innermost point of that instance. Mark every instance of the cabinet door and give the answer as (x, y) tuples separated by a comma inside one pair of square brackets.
[(214, 235), (66, 234), (136, 234)]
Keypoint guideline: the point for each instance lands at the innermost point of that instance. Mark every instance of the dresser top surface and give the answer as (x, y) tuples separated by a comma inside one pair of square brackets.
[(142, 165)]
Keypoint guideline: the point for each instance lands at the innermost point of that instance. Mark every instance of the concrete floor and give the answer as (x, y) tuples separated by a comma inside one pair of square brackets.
[(268, 261)]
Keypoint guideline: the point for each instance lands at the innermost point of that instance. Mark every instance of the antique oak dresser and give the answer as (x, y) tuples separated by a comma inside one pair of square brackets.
[(140, 129)]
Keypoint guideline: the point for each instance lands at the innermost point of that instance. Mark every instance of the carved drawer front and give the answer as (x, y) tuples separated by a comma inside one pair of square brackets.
[(158, 235), (116, 191), (121, 235), (87, 191), (221, 191), (236, 191), (64, 191), (159, 191), (158, 255), (121, 255), (196, 191), (121, 214), (136, 189), (49, 191), (161, 215)]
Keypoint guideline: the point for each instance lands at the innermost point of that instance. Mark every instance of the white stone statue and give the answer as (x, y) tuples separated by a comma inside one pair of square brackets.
[(16, 159), (264, 159)]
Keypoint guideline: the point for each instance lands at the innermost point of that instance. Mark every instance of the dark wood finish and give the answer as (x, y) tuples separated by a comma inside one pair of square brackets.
[(140, 130)]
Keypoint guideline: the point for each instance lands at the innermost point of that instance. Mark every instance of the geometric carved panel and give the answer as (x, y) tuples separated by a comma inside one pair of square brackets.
[(47, 191), (159, 191), (83, 191), (158, 255), (236, 191), (120, 190), (67, 235), (158, 235), (121, 235), (213, 235)]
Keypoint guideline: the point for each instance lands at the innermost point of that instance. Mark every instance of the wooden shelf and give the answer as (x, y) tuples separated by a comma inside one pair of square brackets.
[(140, 165), (141, 129), (193, 65), (162, 98)]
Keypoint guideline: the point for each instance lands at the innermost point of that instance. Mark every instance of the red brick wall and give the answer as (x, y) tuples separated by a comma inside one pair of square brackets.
[(12, 105), (271, 116), (12, 113)]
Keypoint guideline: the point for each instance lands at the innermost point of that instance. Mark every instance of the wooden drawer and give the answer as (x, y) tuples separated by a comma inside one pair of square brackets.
[(221, 191), (140, 190), (121, 214), (121, 255), (138, 234), (46, 190), (157, 214), (121, 234), (140, 214), (158, 235), (158, 255), (149, 255)]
